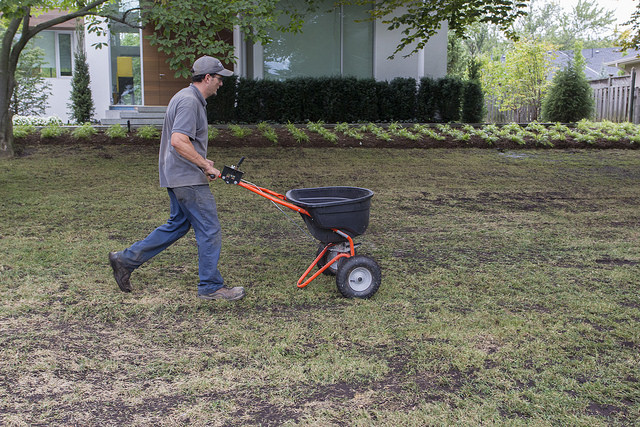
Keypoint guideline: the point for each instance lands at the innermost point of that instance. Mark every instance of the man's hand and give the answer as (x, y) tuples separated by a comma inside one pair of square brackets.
[(211, 172)]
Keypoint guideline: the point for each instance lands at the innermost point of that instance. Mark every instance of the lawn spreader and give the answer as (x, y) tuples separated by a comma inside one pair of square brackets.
[(334, 216)]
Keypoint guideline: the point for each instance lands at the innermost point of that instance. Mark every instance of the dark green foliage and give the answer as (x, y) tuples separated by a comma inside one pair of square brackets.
[(259, 100), (81, 106), (340, 99), (221, 107), (426, 100), (570, 98), (294, 103), (472, 102), (448, 99), (384, 101), (367, 99), (403, 93)]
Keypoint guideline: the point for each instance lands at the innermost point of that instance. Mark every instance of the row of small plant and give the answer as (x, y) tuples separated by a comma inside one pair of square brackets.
[(35, 120), (86, 131), (536, 133)]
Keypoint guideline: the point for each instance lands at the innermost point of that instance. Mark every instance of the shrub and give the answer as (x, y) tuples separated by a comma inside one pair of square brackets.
[(239, 131), (36, 120), (22, 131), (448, 96), (349, 131), (377, 131), (319, 128), (221, 107), (569, 98), (52, 130), (85, 131), (403, 92), (268, 132), (116, 131), (472, 102), (298, 134), (426, 104), (212, 133), (148, 132)]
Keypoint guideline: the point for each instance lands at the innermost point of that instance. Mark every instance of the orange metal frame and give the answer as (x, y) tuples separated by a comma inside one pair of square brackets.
[(281, 200)]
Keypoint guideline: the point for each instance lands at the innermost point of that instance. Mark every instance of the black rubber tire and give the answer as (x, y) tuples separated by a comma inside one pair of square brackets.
[(358, 277)]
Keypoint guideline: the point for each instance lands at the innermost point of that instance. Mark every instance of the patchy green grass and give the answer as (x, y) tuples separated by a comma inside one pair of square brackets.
[(510, 293)]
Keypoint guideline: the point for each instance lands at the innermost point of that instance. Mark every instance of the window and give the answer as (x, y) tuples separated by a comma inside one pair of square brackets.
[(126, 67), (58, 57), (330, 44), (125, 55)]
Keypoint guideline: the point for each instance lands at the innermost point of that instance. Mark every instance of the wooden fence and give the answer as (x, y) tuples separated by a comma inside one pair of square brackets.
[(612, 102), (521, 115)]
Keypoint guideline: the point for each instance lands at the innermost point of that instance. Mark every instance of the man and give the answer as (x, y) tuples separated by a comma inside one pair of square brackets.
[(185, 171)]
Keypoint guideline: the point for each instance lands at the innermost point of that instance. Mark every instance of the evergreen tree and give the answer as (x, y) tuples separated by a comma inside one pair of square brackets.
[(570, 97), (32, 90), (81, 101)]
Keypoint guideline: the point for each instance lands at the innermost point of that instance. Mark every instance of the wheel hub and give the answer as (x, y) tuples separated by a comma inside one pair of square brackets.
[(360, 279)]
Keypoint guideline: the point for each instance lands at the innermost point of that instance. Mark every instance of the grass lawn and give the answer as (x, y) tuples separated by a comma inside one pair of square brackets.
[(510, 293)]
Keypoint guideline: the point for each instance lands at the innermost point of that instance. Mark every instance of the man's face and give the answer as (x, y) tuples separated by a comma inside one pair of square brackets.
[(213, 83)]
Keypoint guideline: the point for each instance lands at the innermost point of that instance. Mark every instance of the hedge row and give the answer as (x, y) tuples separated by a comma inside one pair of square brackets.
[(346, 99)]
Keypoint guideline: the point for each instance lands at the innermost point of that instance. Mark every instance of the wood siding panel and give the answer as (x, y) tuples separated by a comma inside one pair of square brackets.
[(159, 82)]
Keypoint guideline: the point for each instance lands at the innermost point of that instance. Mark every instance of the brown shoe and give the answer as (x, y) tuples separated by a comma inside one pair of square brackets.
[(229, 294), (120, 272)]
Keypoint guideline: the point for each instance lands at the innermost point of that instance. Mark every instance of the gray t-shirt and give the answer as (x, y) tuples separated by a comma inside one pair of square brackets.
[(186, 114)]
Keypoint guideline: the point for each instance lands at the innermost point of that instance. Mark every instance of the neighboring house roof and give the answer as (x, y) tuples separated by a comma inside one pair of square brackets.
[(40, 17), (601, 62), (627, 63)]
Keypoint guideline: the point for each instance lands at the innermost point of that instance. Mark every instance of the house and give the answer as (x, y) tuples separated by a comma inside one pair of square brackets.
[(130, 76), (627, 63), (600, 62)]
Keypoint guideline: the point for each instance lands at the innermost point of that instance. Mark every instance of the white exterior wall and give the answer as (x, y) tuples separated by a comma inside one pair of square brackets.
[(100, 72), (430, 61), (59, 98)]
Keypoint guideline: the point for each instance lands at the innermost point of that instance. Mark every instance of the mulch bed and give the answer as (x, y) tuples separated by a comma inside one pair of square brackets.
[(285, 139)]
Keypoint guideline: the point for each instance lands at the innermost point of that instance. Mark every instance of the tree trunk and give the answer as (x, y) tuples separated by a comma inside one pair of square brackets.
[(6, 123), (8, 64)]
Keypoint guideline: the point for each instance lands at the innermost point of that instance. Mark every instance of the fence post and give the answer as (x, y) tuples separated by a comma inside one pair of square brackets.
[(632, 93), (636, 116)]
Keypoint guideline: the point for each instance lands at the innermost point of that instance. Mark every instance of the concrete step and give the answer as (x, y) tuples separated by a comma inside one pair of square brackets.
[(134, 122), (135, 116), (152, 109)]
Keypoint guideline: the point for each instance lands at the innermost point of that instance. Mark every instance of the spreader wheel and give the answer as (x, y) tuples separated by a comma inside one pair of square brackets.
[(358, 277)]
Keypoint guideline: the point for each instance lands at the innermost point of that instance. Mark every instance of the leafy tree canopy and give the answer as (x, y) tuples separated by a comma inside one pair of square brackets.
[(419, 20), (585, 22), (630, 37), (185, 30)]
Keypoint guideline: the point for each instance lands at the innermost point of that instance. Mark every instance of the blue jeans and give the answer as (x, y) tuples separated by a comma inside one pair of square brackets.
[(190, 206)]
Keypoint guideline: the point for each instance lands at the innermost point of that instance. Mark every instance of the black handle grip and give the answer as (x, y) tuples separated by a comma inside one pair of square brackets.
[(240, 162)]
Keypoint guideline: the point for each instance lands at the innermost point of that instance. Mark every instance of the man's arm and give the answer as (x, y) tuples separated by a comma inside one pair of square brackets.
[(184, 147)]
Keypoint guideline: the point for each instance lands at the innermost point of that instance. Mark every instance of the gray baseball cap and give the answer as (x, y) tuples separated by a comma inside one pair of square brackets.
[(209, 65)]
